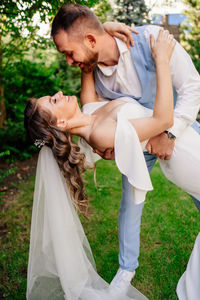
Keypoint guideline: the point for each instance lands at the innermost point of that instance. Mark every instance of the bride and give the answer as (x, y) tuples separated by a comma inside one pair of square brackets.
[(61, 265)]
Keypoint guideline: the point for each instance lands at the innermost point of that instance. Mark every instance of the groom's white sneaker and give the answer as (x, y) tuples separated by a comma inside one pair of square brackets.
[(122, 279)]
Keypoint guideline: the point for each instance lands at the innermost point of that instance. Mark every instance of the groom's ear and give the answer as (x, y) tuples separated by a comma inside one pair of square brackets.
[(90, 40)]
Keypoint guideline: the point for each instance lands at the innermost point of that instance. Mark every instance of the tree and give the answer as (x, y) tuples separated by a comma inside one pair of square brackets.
[(132, 12), (190, 37), (19, 32), (102, 10)]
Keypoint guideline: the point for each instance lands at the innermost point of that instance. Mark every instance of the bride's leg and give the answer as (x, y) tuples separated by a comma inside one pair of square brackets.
[(183, 168), (129, 223)]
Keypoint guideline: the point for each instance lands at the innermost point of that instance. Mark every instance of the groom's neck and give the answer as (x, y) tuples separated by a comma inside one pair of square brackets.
[(108, 50)]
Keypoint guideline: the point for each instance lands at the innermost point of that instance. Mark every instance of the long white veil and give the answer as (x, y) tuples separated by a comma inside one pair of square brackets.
[(61, 265)]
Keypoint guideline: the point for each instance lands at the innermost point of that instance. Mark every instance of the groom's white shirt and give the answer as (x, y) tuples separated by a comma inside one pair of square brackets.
[(123, 77)]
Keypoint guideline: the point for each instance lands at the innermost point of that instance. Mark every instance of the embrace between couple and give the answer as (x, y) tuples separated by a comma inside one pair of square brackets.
[(156, 89)]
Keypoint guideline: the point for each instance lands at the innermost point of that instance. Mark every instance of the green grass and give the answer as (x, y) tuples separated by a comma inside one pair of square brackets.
[(170, 224)]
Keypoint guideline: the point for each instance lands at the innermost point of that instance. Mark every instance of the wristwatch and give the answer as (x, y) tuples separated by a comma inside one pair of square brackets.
[(170, 135)]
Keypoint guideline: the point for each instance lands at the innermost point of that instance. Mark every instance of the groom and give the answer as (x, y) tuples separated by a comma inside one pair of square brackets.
[(119, 72)]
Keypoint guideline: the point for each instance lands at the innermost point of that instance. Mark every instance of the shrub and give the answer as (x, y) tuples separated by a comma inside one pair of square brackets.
[(25, 79)]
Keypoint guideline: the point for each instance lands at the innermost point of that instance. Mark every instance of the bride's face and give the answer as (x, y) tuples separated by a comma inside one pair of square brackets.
[(60, 106)]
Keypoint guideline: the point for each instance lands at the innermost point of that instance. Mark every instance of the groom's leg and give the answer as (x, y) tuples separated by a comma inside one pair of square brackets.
[(183, 169), (129, 223)]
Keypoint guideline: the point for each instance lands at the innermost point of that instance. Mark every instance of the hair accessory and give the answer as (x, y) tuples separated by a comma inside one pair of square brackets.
[(39, 143)]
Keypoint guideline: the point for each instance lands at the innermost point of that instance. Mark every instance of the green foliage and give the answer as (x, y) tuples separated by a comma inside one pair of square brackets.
[(132, 12), (2, 154), (24, 79), (190, 37), (17, 16), (18, 25), (4, 174), (102, 10), (19, 31)]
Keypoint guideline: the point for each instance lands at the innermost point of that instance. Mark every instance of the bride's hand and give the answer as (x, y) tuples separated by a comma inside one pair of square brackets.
[(163, 47), (108, 154), (120, 31)]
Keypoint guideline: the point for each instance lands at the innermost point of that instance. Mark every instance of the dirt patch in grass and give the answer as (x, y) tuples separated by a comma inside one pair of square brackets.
[(8, 187)]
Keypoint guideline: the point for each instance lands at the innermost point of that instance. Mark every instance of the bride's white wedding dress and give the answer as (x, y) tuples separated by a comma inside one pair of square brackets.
[(61, 264), (183, 168)]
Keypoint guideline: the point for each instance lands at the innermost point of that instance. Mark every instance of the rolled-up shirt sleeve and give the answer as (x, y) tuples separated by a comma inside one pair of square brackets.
[(186, 80)]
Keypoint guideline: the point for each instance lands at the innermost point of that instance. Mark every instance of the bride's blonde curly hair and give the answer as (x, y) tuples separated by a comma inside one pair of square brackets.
[(41, 124)]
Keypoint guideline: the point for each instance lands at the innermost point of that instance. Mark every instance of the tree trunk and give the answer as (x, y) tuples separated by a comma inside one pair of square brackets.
[(2, 99), (2, 106)]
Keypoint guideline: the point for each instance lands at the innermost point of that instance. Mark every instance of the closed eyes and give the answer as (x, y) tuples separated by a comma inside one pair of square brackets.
[(52, 100)]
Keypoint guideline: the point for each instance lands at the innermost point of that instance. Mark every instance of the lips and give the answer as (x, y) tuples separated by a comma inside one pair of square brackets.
[(70, 98)]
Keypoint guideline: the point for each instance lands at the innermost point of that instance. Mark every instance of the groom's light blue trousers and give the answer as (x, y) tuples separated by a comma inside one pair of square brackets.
[(130, 219)]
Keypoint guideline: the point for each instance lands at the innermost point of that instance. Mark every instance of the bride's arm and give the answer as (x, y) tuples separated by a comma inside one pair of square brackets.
[(120, 31), (162, 118), (88, 92)]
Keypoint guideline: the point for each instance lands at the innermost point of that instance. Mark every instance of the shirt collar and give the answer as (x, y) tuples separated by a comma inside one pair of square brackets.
[(121, 46)]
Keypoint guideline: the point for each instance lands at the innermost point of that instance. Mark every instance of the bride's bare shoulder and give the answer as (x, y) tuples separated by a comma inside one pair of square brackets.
[(102, 133)]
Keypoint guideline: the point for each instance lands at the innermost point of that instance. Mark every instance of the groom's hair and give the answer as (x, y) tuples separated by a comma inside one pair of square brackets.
[(74, 18)]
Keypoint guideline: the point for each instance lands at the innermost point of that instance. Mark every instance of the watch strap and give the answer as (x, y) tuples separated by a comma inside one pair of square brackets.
[(170, 135)]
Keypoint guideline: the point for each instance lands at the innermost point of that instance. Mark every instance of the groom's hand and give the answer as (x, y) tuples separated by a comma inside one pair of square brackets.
[(160, 146), (108, 154)]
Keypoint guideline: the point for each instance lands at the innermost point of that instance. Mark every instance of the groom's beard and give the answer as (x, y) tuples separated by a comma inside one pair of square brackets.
[(91, 62)]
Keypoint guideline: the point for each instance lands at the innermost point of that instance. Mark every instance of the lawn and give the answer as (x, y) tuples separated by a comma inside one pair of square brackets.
[(170, 224)]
